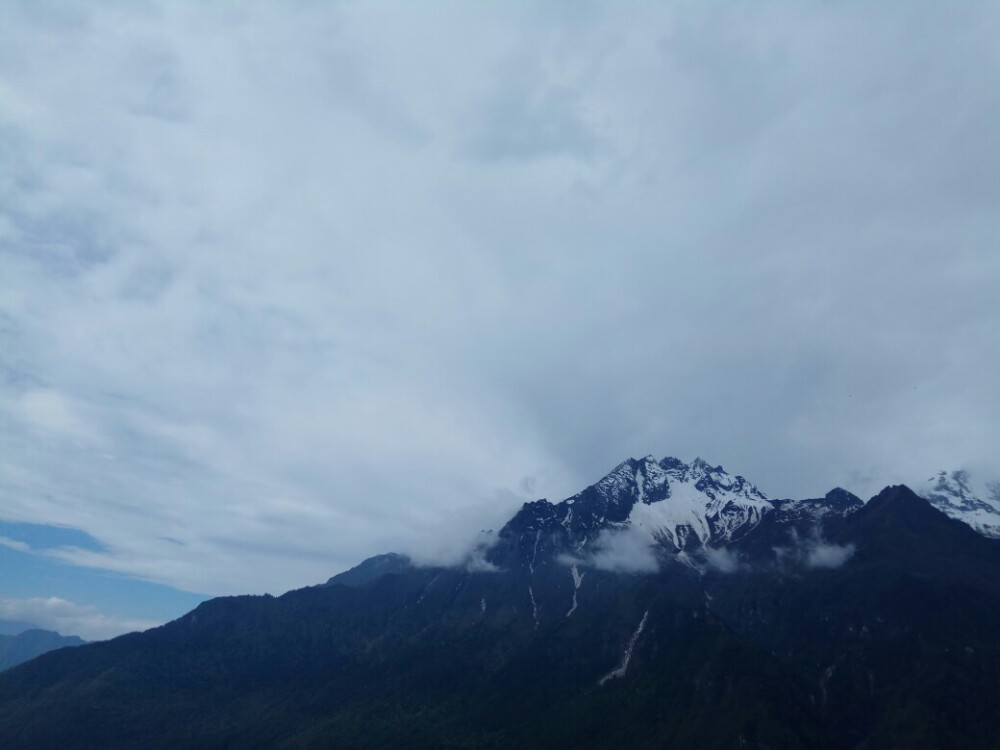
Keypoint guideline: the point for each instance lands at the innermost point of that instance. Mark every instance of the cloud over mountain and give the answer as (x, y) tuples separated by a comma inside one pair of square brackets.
[(287, 285)]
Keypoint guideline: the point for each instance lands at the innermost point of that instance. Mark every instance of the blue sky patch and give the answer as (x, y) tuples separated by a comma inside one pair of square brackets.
[(44, 536)]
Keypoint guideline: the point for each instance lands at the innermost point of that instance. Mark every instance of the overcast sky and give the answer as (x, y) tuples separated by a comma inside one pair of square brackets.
[(287, 285)]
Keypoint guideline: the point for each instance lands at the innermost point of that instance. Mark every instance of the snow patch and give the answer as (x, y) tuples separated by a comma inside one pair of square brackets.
[(428, 587), (577, 580), (620, 670), (534, 552), (953, 494)]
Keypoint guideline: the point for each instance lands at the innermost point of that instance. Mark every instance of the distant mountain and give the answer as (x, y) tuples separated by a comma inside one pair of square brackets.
[(667, 605), (13, 627), (26, 645)]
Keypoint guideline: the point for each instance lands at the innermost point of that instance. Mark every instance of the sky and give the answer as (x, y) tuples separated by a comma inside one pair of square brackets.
[(286, 285)]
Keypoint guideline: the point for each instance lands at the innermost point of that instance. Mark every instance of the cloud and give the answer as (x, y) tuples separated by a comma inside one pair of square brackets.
[(814, 552), (448, 548), (721, 559), (529, 118), (476, 563), (822, 555), (619, 551), (53, 415), (276, 291), (69, 618), (14, 544)]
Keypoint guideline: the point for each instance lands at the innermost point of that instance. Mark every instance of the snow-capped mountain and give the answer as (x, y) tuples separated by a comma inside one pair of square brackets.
[(759, 623), (679, 506), (671, 507), (950, 493)]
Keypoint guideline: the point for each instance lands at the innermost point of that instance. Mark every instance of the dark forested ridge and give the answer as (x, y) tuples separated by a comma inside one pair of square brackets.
[(829, 624)]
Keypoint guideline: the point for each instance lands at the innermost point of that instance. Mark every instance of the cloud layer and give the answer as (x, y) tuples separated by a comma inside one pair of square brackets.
[(287, 285)]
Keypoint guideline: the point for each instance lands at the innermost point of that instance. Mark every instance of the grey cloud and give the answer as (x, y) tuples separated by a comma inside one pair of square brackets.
[(68, 243), (758, 235), (537, 99), (159, 89), (545, 123)]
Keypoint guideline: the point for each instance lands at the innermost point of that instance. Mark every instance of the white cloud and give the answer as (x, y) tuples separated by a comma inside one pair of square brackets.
[(52, 414), (823, 555), (297, 284), (814, 551), (69, 618), (721, 559), (620, 551), (14, 544), (479, 564)]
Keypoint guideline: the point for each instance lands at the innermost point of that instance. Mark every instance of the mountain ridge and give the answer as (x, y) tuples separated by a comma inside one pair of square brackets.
[(820, 623), (25, 645)]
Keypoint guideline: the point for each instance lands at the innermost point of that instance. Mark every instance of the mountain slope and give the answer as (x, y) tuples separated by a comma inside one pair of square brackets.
[(901, 640), (380, 666)]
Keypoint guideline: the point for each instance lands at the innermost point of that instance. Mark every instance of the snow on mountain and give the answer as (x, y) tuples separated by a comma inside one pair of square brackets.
[(837, 501), (950, 493), (697, 504), (671, 503), (644, 507)]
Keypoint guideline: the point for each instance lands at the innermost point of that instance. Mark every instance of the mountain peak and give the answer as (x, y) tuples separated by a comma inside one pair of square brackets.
[(670, 462), (370, 569), (951, 493), (674, 504), (701, 463), (953, 486)]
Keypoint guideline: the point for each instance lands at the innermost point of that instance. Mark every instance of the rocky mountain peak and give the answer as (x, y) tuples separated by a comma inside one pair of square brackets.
[(951, 493)]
